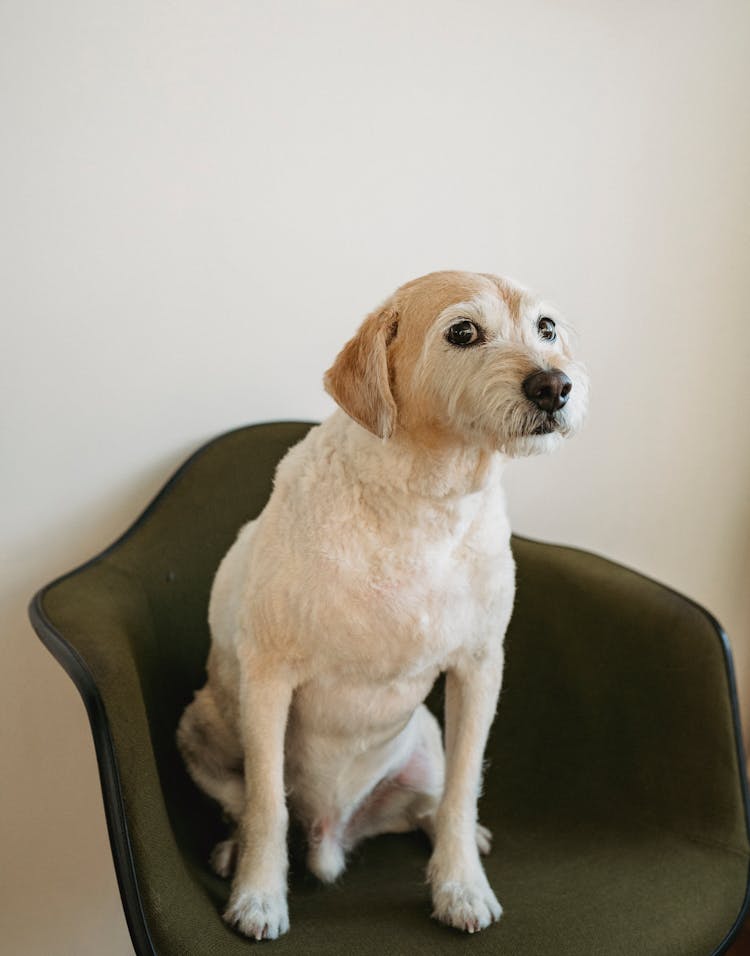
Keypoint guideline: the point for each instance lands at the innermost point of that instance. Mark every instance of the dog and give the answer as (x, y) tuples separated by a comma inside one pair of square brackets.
[(381, 559)]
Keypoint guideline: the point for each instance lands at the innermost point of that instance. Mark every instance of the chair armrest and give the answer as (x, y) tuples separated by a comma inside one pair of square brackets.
[(619, 701), (96, 622)]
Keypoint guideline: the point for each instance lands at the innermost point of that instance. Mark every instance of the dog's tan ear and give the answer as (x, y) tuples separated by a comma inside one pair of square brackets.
[(359, 378)]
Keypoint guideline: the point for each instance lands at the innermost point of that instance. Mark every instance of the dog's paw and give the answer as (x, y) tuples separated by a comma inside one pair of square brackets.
[(469, 906), (484, 839), (224, 858), (258, 914)]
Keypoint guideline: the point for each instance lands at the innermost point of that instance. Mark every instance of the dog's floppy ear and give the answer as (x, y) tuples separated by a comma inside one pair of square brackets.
[(358, 379)]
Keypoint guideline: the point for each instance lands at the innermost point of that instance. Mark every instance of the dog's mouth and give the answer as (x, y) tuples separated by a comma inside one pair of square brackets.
[(546, 426)]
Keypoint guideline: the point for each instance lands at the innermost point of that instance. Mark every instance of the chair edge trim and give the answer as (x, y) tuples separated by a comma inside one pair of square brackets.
[(109, 777)]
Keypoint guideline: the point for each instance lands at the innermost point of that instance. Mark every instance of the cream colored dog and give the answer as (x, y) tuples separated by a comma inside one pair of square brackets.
[(381, 559)]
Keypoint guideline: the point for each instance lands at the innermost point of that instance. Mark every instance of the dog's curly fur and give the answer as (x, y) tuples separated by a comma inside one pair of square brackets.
[(381, 559)]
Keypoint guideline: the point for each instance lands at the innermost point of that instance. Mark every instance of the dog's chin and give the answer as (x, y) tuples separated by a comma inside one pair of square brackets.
[(523, 446)]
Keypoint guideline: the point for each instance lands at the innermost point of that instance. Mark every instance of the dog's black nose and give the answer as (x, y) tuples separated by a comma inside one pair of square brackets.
[(548, 390)]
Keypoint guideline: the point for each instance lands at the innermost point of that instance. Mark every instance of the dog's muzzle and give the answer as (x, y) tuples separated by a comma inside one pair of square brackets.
[(548, 391)]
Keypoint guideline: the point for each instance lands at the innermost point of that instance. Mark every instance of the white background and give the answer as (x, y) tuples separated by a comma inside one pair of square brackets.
[(200, 202)]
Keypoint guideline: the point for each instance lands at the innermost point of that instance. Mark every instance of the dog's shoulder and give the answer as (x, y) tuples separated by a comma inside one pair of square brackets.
[(311, 459)]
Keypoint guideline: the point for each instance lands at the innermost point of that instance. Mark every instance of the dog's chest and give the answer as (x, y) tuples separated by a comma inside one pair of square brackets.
[(400, 597)]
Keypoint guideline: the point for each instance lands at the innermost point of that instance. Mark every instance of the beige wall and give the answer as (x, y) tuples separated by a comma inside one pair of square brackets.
[(201, 201)]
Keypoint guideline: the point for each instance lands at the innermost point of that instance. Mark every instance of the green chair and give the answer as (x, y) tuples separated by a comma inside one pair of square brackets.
[(614, 786)]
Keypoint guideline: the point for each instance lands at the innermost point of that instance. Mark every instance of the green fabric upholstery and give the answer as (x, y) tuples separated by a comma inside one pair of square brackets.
[(614, 786)]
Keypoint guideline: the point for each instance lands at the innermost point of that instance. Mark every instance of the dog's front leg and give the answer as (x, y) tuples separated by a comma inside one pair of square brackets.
[(461, 894), (257, 905)]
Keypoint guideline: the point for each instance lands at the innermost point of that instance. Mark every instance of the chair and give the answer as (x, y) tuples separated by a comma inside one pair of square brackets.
[(615, 784)]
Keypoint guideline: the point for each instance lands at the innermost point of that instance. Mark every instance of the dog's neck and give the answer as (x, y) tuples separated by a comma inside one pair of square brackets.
[(425, 463)]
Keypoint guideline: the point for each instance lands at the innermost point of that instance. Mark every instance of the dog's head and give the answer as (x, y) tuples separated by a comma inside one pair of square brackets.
[(469, 356)]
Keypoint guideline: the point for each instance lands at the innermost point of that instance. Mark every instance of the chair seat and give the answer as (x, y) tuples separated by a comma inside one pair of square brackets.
[(615, 783), (575, 891)]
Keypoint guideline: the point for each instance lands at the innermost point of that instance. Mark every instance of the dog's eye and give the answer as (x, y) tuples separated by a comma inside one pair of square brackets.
[(462, 333), (546, 329)]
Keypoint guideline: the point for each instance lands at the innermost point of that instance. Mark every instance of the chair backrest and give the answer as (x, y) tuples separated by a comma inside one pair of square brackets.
[(152, 585)]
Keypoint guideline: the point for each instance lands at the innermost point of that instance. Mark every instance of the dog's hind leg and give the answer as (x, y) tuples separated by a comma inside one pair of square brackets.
[(213, 757), (212, 753)]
